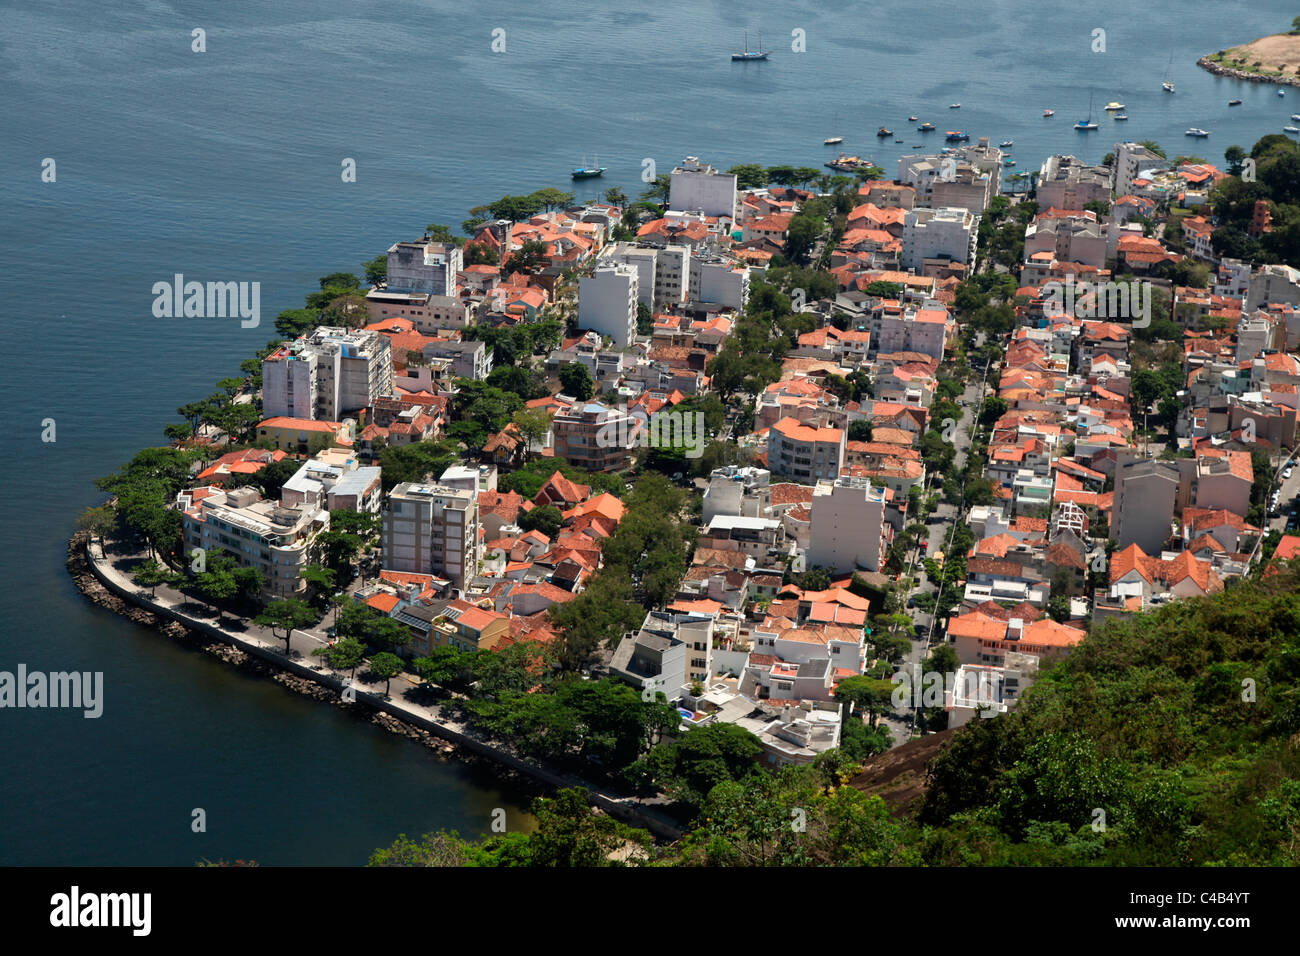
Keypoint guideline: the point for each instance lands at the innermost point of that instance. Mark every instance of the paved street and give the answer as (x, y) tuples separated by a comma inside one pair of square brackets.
[(938, 535)]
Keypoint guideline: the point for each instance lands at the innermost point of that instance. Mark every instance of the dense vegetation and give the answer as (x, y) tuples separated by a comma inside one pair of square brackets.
[(1276, 162), (642, 565)]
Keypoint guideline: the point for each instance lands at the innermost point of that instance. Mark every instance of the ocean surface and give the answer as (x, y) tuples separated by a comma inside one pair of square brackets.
[(225, 165)]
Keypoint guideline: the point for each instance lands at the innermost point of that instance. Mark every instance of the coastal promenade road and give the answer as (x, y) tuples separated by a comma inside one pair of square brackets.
[(407, 698)]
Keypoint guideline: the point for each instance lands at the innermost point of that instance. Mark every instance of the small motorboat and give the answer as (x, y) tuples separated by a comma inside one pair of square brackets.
[(1281, 92), (1008, 162), (1296, 117), (1291, 129), (1167, 86), (1005, 143), (897, 139), (912, 119), (832, 140), (1119, 117), (956, 136), (1234, 102), (1197, 132), (957, 106), (926, 127), (1047, 113), (882, 132), (1112, 106)]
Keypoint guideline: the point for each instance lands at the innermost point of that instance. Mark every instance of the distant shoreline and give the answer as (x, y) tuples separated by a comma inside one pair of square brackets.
[(1278, 57)]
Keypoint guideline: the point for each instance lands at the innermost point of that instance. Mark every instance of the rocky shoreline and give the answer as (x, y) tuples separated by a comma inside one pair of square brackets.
[(78, 566), (1218, 69)]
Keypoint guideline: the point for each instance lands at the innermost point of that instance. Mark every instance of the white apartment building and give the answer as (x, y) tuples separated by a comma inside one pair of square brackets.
[(663, 273), (1131, 161), (921, 173), (290, 381), (1072, 238), (1255, 334), (805, 453), (428, 268), (1069, 183), (673, 272), (923, 330), (1145, 494), (719, 279), (1273, 284), (345, 370), (848, 527), (607, 302), (949, 181), (737, 490), (644, 259), (431, 529), (1232, 278), (277, 541), (698, 187), (938, 234)]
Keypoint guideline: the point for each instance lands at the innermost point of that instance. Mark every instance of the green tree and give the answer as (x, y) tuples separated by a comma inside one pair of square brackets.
[(149, 574), (344, 655), (690, 767), (217, 581), (533, 425), (575, 380), (874, 697), (376, 269), (860, 430), (320, 582), (98, 522), (290, 614), (546, 519), (749, 176), (530, 258), (385, 666)]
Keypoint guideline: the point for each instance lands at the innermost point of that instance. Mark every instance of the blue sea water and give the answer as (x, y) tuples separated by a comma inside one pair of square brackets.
[(226, 165)]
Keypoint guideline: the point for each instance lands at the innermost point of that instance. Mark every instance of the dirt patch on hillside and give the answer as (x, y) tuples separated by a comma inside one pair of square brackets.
[(898, 776)]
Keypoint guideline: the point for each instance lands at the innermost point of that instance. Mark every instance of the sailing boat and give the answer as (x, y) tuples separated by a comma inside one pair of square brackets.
[(832, 140), (759, 54), (1088, 123), (1166, 85), (587, 172)]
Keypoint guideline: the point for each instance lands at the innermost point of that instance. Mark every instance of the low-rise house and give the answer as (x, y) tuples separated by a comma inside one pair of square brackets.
[(980, 638)]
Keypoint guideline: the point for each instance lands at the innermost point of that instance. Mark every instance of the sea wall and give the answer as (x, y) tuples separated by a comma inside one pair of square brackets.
[(328, 688), (1218, 69)]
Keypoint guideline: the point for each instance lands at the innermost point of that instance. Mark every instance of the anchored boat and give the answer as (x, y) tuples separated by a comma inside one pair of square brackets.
[(1088, 123), (587, 172), (759, 54)]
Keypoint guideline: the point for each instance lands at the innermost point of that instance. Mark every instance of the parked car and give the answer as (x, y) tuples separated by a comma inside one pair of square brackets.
[(1287, 473), (911, 602)]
